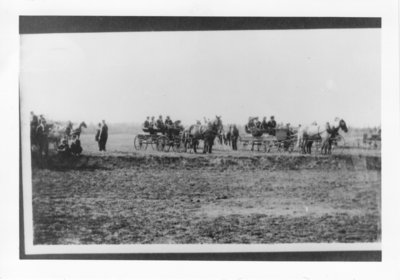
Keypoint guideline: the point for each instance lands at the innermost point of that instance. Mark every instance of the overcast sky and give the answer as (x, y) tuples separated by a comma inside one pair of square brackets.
[(297, 75)]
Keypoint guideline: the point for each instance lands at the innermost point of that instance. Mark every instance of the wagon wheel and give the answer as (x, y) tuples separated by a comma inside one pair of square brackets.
[(138, 143), (338, 144)]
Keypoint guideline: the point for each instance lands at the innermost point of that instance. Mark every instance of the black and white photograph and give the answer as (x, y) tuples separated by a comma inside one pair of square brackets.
[(246, 132), (174, 134), (198, 139)]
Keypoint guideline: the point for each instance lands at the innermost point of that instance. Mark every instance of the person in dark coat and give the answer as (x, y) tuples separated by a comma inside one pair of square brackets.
[(160, 124), (103, 136), (63, 149), (264, 123), (271, 125), (97, 137), (168, 122), (146, 123), (34, 125), (76, 148), (234, 137)]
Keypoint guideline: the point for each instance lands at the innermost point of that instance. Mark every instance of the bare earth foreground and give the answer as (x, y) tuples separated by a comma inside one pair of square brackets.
[(221, 198)]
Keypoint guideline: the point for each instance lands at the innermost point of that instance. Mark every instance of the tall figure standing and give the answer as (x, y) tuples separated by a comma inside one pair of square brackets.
[(234, 137), (103, 136), (97, 137)]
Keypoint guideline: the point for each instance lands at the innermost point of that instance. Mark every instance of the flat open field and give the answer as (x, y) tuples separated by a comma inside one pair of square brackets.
[(122, 144), (125, 197)]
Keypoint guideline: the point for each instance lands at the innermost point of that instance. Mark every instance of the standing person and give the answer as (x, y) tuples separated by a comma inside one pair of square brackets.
[(34, 125), (97, 137), (234, 137), (68, 129), (272, 125), (103, 136)]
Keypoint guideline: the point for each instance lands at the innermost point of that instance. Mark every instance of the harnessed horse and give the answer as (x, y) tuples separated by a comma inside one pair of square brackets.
[(77, 131), (308, 134), (207, 133)]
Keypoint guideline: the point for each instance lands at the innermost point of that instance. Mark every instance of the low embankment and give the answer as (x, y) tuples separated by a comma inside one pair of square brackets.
[(252, 162)]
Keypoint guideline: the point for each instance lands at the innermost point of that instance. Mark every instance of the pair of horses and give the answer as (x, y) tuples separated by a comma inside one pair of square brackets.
[(207, 133), (316, 133)]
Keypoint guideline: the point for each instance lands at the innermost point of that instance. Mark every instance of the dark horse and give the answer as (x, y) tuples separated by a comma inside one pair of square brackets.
[(77, 131), (207, 133)]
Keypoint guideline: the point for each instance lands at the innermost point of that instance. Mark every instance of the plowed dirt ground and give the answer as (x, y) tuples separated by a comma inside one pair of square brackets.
[(227, 197)]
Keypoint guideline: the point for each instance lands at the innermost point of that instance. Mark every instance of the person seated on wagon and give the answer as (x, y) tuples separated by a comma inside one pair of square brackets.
[(146, 123), (152, 127), (264, 123), (252, 122), (178, 125), (168, 122), (272, 122), (160, 124), (257, 123), (152, 123)]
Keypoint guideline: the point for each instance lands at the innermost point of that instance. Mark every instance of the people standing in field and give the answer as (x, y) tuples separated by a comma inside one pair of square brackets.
[(34, 125), (103, 136), (272, 125), (97, 137), (234, 137)]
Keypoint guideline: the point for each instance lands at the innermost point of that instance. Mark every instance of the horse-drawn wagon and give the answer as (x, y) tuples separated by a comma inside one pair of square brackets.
[(280, 139), (160, 140), (372, 140)]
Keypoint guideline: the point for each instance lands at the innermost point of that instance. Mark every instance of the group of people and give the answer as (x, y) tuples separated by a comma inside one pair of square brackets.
[(270, 125), (74, 149), (39, 128), (232, 137), (102, 136), (38, 124), (153, 126)]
